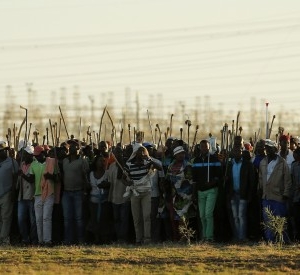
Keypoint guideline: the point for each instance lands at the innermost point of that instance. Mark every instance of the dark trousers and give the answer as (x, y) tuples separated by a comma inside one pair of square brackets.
[(155, 220), (121, 220)]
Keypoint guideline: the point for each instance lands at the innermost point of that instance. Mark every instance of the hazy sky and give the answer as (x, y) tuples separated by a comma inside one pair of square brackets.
[(231, 50)]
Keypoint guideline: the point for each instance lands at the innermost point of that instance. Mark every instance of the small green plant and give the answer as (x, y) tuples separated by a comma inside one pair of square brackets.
[(186, 232), (276, 225)]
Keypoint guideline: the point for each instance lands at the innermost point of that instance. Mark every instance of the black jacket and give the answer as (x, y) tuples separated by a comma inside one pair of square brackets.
[(200, 172), (247, 178)]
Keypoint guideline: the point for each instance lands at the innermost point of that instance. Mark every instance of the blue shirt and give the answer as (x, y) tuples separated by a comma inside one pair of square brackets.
[(236, 175)]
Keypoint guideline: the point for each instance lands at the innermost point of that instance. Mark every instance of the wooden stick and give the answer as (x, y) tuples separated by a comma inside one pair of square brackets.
[(101, 121), (64, 122)]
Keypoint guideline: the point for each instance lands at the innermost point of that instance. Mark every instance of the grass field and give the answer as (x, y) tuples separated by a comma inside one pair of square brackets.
[(158, 259)]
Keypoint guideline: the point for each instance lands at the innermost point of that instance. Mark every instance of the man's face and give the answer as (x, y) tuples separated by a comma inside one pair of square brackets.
[(41, 157), (142, 153), (28, 158), (180, 156), (237, 153), (270, 151), (73, 150), (260, 148), (284, 144), (103, 146), (204, 148)]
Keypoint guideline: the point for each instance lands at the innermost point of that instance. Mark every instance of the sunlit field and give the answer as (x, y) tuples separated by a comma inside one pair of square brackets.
[(152, 259)]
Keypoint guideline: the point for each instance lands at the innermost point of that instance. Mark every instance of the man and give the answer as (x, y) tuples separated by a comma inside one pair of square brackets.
[(285, 151), (120, 205), (240, 184), (254, 206), (139, 166), (26, 215), (156, 181), (42, 173), (177, 193), (295, 194), (105, 151), (75, 170), (206, 171), (8, 171), (275, 182)]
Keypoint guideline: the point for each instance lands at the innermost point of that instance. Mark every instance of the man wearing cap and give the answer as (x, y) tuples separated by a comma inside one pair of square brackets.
[(26, 215), (43, 173), (275, 182), (8, 171)]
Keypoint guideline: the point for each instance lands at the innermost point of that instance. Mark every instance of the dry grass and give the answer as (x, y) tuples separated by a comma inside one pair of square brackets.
[(159, 259)]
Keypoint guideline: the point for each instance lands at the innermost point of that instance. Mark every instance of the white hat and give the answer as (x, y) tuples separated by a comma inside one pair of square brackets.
[(22, 144), (135, 148), (178, 150), (29, 149), (270, 143)]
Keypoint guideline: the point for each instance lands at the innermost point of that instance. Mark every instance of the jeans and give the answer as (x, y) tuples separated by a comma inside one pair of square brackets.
[(72, 202), (239, 214), (27, 222), (121, 220), (206, 205), (43, 215)]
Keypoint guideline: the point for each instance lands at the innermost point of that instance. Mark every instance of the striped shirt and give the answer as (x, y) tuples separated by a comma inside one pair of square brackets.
[(137, 171)]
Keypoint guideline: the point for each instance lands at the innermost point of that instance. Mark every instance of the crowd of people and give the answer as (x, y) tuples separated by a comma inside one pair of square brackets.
[(141, 193)]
